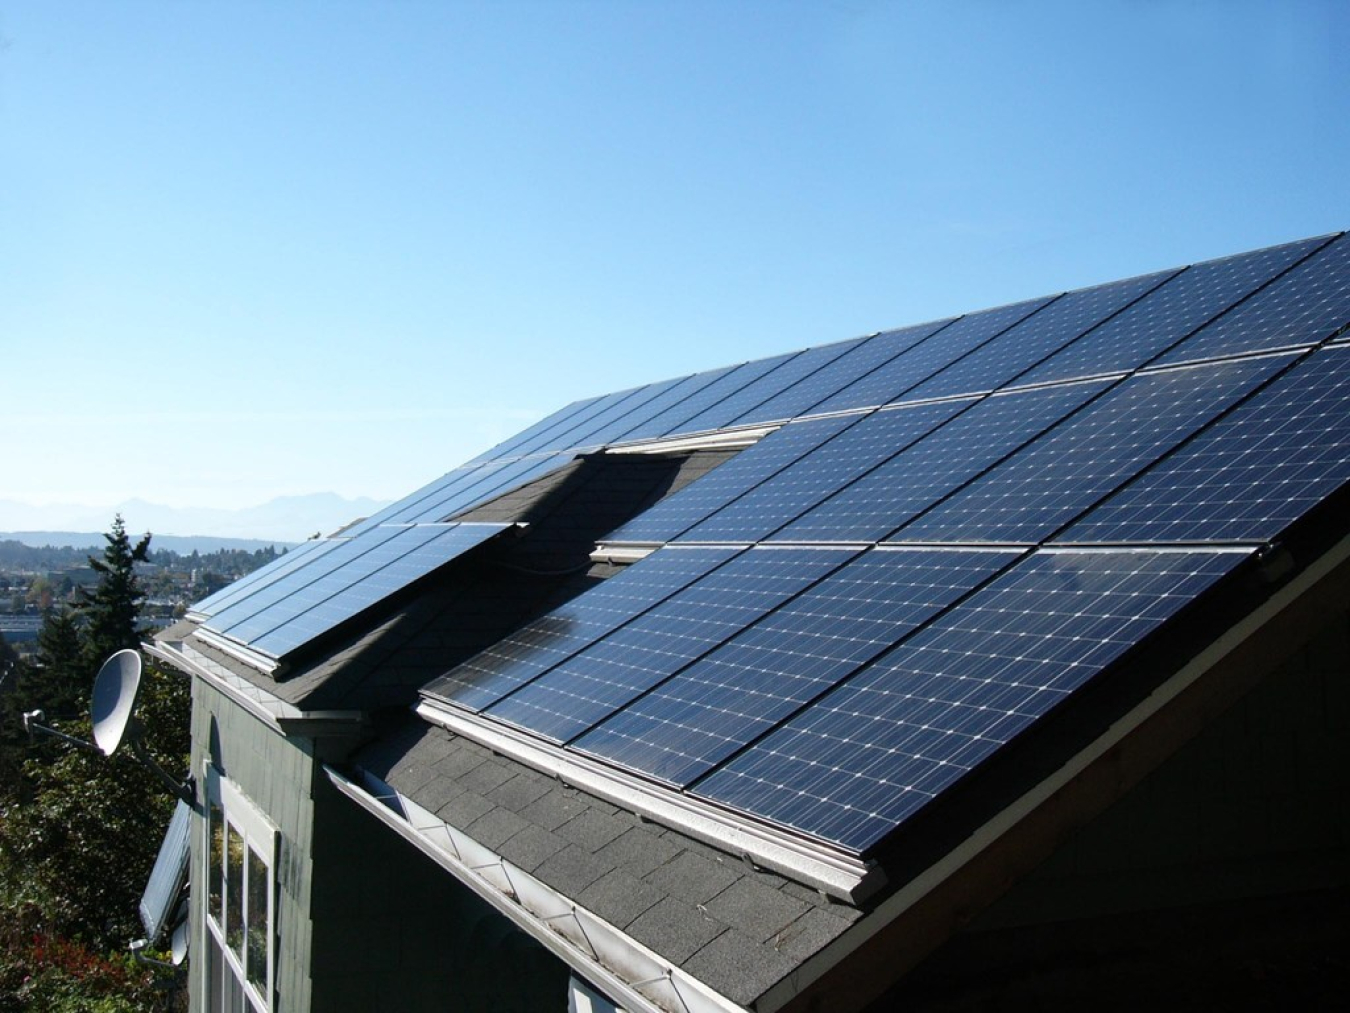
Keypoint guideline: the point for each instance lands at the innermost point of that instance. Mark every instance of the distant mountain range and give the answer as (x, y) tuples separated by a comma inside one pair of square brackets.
[(285, 519)]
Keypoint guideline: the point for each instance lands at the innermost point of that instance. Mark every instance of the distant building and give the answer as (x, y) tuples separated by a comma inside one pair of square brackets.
[(998, 661)]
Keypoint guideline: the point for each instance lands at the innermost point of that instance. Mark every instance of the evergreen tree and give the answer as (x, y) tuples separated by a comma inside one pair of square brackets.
[(59, 684), (112, 610)]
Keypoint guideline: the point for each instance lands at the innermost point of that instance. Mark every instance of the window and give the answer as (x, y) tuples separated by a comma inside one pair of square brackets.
[(241, 919)]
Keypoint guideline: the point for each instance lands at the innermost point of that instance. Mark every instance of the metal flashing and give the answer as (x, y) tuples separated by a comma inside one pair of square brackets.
[(806, 861), (640, 980)]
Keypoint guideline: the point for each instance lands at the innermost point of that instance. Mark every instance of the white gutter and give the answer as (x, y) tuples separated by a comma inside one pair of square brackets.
[(638, 979)]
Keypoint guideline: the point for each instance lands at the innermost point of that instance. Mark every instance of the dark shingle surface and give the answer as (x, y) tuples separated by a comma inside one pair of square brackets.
[(738, 929)]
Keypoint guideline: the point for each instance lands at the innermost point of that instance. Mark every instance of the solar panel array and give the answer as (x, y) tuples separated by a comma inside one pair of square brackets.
[(308, 593), (952, 529)]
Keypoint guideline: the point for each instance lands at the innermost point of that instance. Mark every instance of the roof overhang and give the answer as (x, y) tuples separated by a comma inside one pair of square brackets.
[(638, 979)]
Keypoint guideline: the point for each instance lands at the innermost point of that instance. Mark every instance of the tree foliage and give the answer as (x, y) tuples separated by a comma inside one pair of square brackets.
[(79, 832)]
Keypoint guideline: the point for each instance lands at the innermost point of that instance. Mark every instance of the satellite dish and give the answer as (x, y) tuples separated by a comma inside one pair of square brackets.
[(113, 707), (181, 934)]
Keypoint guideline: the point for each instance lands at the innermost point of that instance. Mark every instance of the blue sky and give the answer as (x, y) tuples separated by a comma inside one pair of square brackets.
[(250, 250)]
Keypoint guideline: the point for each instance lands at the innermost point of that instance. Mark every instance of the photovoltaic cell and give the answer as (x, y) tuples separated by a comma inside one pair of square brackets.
[(800, 486), (263, 576), (721, 703), (614, 419), (673, 419), (870, 754), (512, 475), (442, 489), (1248, 476), (569, 699), (1307, 304), (1027, 343), (668, 400), (1053, 479), (1168, 313), (381, 565), (861, 358), (545, 642), (909, 369), (316, 566), (900, 489), (800, 366), (324, 605), (733, 478), (550, 423)]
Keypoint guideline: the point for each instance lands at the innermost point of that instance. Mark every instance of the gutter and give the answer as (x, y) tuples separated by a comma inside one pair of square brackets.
[(638, 979)]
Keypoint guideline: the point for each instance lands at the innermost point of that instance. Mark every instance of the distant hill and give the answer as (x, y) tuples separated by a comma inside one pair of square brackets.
[(184, 546), (285, 519)]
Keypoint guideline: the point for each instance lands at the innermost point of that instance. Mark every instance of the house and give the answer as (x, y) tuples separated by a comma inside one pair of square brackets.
[(998, 658)]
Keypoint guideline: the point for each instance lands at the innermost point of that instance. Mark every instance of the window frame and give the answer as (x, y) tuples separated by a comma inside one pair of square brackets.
[(258, 837)]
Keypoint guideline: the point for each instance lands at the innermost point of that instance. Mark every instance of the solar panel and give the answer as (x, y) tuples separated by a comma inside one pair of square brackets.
[(330, 601), (512, 475), (1025, 344), (1248, 476), (800, 486), (614, 418), (315, 566), (673, 418), (871, 753), (1047, 483), (442, 489), (569, 699), (1168, 313), (899, 489), (554, 422), (861, 358), (719, 704), (551, 639), (749, 397), (1303, 306), (924, 358), (263, 576), (729, 480), (317, 598), (669, 400)]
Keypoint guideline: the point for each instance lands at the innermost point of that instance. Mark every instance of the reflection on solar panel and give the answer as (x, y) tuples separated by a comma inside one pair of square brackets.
[(800, 486), (871, 753), (331, 587), (742, 473), (567, 700), (554, 638), (923, 359), (1248, 476), (1027, 343), (511, 476), (1050, 481), (1170, 312), (719, 704), (860, 359), (1309, 303), (898, 490)]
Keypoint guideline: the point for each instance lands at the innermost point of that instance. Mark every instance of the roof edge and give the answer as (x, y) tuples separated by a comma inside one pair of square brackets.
[(628, 972), (833, 872)]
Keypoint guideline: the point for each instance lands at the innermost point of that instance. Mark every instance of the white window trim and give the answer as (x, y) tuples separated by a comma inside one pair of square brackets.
[(260, 837)]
